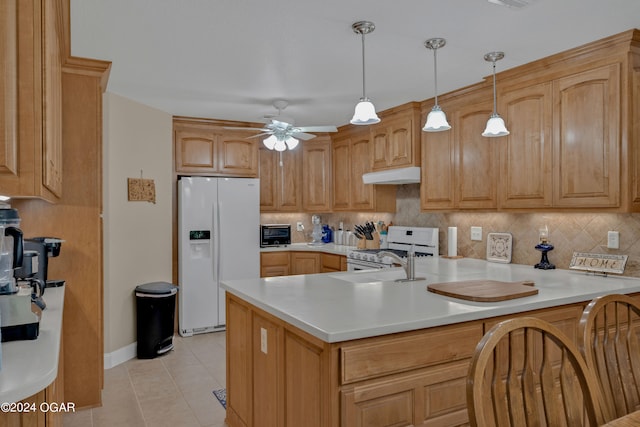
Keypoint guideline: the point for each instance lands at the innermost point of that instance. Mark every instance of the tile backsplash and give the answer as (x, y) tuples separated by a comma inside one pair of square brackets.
[(568, 232)]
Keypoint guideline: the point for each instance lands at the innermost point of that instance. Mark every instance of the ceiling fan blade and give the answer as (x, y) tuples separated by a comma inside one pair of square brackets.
[(247, 129), (258, 135), (317, 128), (303, 136)]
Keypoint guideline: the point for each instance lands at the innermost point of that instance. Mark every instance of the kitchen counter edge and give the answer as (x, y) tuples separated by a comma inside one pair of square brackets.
[(329, 248), (30, 366)]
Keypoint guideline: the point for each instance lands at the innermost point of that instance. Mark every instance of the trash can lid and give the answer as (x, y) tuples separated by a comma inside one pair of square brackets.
[(156, 288)]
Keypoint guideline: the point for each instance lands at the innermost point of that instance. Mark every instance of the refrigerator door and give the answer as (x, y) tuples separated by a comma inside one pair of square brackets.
[(198, 294), (238, 234), (218, 223)]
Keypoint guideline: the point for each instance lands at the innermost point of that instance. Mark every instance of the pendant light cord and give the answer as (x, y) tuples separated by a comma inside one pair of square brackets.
[(495, 109), (363, 70), (435, 74)]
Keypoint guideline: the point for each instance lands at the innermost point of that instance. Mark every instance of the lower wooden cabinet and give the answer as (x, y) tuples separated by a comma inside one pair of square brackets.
[(278, 375), (300, 262), (305, 262), (274, 264)]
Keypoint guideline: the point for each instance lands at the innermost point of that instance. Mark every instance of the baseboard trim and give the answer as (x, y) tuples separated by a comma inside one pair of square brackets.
[(121, 355)]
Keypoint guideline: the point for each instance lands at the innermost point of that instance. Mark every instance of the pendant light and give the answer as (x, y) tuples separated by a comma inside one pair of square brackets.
[(495, 124), (365, 113), (436, 120)]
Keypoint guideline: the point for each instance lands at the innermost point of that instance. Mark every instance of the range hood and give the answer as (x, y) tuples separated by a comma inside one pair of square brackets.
[(393, 176)]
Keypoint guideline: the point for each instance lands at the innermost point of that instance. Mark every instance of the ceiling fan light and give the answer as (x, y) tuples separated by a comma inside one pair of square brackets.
[(280, 145), (270, 142), (291, 143), (495, 127), (436, 121), (365, 113)]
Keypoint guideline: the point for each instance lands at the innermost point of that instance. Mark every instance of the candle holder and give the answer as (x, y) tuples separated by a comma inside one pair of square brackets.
[(544, 246), (544, 263)]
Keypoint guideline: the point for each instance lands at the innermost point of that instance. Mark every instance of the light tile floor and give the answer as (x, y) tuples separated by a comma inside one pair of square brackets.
[(175, 389)]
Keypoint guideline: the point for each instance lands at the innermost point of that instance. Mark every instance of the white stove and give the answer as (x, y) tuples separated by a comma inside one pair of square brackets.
[(400, 240)]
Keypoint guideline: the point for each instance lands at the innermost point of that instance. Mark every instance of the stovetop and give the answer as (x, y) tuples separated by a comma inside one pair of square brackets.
[(400, 240)]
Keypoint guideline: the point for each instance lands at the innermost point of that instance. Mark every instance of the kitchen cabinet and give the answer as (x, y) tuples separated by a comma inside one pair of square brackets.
[(526, 156), (316, 175), (343, 383), (274, 264), (351, 159), (395, 141), (280, 180), (283, 263), (460, 166), (571, 144), (31, 111), (564, 149), (205, 147), (586, 117), (305, 262)]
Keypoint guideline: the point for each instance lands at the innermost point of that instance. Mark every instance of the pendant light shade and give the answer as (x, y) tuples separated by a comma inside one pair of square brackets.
[(270, 142), (365, 112), (274, 142), (437, 119), (495, 124)]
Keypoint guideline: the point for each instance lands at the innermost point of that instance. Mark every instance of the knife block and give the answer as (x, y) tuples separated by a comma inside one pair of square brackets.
[(361, 244), (375, 243)]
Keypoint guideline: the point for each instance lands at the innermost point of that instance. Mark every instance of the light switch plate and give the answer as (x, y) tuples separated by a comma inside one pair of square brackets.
[(263, 340), (476, 233), (299, 226), (613, 240)]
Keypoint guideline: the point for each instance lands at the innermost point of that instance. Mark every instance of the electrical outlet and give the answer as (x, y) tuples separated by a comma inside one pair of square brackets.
[(613, 240), (299, 226), (476, 233), (263, 340)]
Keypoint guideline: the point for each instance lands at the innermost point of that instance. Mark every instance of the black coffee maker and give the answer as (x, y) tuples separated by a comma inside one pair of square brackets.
[(46, 247)]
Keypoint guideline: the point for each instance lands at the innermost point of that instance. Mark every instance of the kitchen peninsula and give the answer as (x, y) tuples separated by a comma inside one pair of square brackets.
[(358, 348)]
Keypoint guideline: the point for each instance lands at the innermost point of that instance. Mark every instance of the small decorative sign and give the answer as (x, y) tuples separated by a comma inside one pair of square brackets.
[(598, 263), (141, 189)]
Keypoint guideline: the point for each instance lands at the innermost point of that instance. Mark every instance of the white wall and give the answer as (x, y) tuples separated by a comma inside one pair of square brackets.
[(137, 234)]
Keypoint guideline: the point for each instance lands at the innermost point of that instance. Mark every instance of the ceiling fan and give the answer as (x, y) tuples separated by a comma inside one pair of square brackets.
[(282, 132)]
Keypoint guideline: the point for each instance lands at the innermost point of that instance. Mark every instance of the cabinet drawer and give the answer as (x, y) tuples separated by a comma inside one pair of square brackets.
[(269, 259), (398, 354), (331, 262)]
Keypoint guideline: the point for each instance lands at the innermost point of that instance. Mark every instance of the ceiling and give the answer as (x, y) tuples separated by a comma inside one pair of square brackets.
[(230, 59)]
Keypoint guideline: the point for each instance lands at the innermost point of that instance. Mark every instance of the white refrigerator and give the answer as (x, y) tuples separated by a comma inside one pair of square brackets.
[(218, 239)]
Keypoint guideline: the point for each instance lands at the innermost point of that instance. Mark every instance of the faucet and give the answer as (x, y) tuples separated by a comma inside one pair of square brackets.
[(408, 264)]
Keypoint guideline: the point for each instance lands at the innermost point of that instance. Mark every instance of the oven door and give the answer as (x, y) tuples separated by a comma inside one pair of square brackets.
[(358, 265)]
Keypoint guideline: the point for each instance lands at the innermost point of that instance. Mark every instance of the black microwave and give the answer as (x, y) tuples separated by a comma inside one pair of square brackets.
[(275, 235)]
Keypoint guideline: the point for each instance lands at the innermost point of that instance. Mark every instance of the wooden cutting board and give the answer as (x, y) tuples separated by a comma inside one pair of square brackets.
[(484, 290)]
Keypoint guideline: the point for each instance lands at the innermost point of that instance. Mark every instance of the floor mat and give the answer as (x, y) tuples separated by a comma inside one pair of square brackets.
[(221, 395)]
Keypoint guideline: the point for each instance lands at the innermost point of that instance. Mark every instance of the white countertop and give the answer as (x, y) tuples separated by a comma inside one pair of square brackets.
[(329, 248), (342, 306), (30, 366)]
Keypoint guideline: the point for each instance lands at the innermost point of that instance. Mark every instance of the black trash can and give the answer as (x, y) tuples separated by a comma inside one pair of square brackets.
[(155, 307)]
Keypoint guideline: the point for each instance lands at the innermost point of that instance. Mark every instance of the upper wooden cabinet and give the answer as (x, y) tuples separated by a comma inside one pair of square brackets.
[(205, 147), (573, 123), (396, 139), (31, 84), (280, 180), (350, 157), (316, 176), (460, 166)]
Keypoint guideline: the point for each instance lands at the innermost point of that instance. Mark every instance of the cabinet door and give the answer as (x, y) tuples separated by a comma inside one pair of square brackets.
[(341, 160), (586, 123), (438, 171), (379, 146), (266, 371), (316, 176), (195, 151), (400, 142), (9, 88), (305, 262), (268, 172), (52, 100), (362, 195), (477, 159), (525, 155), (238, 156), (279, 173)]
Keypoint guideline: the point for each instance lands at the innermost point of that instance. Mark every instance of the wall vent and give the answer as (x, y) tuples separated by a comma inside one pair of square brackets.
[(514, 4)]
